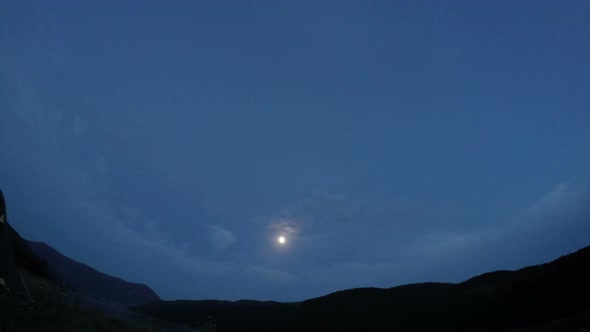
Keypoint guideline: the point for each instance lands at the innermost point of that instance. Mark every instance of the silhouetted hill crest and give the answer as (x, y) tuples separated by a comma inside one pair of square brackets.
[(93, 282), (553, 294)]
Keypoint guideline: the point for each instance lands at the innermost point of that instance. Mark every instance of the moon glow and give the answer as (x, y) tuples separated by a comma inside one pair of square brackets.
[(281, 239)]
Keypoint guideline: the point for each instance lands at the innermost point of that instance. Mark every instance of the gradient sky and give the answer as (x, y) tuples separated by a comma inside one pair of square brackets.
[(391, 142)]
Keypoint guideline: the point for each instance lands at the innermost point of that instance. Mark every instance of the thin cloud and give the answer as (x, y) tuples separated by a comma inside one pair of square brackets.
[(551, 200), (559, 219), (151, 241), (284, 225), (272, 275), (220, 238)]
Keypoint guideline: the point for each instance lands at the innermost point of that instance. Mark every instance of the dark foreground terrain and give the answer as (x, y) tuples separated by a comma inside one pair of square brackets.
[(91, 282), (547, 297), (54, 308)]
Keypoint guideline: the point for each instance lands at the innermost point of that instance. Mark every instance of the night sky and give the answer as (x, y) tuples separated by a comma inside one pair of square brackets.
[(389, 142)]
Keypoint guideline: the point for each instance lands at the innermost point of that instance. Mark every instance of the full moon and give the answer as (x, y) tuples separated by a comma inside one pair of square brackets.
[(281, 239)]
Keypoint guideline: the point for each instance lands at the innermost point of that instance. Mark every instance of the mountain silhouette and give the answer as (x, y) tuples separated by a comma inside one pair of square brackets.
[(94, 283), (15, 255), (549, 297)]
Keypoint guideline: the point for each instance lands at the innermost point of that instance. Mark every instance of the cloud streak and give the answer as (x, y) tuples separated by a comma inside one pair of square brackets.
[(272, 275), (285, 226), (551, 200), (220, 238)]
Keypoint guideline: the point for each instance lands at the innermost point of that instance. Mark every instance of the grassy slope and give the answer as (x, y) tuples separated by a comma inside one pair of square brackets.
[(93, 282), (50, 311)]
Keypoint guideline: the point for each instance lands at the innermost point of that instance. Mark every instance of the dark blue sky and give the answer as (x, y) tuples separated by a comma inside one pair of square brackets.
[(172, 142)]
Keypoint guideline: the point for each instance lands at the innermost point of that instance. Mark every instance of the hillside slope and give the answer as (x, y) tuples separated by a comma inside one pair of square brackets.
[(94, 283)]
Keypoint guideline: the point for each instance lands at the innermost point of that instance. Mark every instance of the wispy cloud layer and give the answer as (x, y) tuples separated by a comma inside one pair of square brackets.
[(272, 275), (220, 238), (551, 201)]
